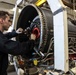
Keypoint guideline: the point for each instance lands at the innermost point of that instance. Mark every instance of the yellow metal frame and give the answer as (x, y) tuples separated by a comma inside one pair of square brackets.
[(40, 2)]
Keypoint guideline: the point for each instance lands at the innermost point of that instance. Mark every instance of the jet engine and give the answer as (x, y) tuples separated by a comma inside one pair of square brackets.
[(39, 20)]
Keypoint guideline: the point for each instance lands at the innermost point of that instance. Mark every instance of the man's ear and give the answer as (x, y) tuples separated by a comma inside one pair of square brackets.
[(1, 20)]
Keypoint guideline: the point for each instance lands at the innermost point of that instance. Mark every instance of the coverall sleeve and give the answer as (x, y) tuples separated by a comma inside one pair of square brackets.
[(10, 35), (15, 47)]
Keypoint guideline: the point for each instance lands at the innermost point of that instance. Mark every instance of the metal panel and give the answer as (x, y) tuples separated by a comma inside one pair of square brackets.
[(60, 36)]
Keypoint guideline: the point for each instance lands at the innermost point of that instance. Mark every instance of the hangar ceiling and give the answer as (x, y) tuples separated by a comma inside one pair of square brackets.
[(9, 4)]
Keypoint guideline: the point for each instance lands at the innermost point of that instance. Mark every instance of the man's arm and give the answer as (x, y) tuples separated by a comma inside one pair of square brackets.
[(10, 35), (15, 47), (14, 33)]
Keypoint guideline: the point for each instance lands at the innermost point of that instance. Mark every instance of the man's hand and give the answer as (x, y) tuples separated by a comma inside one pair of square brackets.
[(33, 37), (19, 31)]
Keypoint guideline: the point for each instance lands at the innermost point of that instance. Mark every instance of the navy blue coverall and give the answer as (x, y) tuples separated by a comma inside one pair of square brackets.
[(8, 46)]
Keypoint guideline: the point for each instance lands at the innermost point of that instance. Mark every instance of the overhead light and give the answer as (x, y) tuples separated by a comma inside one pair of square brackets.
[(13, 9), (20, 10)]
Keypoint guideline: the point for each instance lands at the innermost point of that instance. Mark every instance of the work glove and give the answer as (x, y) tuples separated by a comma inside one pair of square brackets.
[(19, 31), (33, 37)]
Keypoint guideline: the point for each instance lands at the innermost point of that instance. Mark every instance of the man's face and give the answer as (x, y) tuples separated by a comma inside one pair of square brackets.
[(6, 23)]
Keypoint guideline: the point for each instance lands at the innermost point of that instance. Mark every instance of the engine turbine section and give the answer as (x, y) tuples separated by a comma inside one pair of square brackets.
[(40, 22)]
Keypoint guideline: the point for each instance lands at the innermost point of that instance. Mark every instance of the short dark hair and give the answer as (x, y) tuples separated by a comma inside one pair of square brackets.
[(3, 14)]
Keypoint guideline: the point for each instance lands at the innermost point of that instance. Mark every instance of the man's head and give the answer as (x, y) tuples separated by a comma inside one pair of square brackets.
[(4, 20)]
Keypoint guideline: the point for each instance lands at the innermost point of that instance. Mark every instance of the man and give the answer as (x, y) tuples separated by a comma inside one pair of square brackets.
[(9, 46)]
